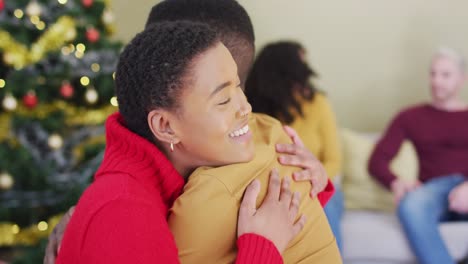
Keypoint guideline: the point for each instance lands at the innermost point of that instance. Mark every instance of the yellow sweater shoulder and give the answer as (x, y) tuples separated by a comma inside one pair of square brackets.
[(203, 219)]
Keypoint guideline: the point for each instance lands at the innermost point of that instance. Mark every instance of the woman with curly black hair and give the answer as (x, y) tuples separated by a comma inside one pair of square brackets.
[(280, 85)]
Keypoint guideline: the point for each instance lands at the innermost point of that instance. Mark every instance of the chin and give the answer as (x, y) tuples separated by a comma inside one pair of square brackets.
[(246, 156), (249, 156)]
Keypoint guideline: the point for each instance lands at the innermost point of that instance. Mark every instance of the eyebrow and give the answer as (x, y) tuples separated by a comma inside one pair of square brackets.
[(220, 87)]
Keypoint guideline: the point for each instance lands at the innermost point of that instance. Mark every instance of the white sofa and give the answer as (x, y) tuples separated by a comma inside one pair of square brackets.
[(370, 229), (376, 238)]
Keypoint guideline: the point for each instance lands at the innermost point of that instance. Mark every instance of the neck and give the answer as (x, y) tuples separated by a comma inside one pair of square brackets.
[(182, 167), (453, 104)]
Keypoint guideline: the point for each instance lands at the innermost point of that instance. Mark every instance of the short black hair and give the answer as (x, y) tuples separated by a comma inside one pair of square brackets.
[(153, 68), (279, 81), (226, 17)]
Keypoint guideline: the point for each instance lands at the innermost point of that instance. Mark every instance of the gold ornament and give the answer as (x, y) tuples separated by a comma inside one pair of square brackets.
[(55, 141), (33, 9), (6, 181), (91, 95), (9, 102)]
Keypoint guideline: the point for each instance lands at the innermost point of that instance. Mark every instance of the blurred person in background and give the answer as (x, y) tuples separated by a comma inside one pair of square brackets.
[(439, 131), (279, 85)]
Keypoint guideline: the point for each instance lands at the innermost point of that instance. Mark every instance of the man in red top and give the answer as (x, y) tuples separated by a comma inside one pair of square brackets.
[(439, 132)]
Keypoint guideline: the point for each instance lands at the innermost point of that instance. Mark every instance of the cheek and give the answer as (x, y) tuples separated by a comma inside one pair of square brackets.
[(211, 128)]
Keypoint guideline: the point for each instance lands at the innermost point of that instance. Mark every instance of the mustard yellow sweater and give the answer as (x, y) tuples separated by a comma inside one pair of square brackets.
[(318, 130), (203, 219)]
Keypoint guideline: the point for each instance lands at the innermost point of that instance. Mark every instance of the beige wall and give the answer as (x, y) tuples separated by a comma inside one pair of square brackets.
[(372, 55)]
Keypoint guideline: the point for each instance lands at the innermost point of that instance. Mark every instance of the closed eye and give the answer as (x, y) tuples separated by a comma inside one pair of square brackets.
[(225, 102)]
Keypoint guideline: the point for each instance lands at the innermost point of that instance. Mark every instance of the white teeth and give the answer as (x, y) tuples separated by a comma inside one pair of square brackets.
[(240, 132)]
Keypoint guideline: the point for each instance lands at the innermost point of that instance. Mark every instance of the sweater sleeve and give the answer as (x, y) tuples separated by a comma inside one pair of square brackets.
[(253, 248), (325, 195), (128, 231), (330, 155), (385, 150)]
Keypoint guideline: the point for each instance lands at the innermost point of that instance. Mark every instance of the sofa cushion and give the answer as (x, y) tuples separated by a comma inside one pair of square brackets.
[(361, 191), (376, 236)]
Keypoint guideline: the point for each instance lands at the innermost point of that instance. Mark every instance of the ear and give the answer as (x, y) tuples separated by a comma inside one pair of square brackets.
[(159, 122)]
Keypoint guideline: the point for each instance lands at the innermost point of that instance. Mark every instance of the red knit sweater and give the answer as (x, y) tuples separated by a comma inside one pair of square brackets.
[(121, 217), (439, 137)]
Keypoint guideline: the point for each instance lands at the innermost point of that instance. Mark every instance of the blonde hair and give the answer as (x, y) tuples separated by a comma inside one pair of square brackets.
[(452, 54)]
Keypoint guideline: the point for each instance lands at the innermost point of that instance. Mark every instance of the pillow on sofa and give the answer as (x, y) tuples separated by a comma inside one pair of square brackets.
[(361, 191)]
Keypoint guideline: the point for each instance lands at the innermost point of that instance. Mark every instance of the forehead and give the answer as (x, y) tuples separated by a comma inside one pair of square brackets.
[(208, 70), (445, 62)]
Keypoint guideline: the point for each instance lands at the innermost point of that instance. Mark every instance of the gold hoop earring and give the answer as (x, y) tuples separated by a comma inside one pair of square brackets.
[(172, 147)]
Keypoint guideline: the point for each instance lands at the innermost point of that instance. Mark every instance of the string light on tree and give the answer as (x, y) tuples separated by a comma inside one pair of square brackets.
[(9, 102), (55, 141), (62, 2), (84, 80), (6, 181), (66, 90), (79, 55), (35, 19), (95, 67), (30, 100), (91, 95), (80, 47), (18, 13), (114, 101), (41, 25), (2, 83), (92, 35), (42, 226), (33, 9)]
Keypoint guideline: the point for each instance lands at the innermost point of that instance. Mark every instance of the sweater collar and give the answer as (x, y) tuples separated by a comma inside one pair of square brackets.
[(127, 152)]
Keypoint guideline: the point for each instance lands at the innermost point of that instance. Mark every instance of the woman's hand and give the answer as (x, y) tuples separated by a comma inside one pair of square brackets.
[(298, 155), (55, 238), (275, 219)]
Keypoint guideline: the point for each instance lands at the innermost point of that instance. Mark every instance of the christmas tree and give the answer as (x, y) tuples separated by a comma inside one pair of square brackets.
[(57, 61)]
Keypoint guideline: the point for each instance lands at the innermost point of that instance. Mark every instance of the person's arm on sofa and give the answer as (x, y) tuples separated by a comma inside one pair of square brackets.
[(384, 152)]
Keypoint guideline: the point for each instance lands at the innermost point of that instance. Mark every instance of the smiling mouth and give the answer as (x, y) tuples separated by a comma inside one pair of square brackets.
[(242, 131)]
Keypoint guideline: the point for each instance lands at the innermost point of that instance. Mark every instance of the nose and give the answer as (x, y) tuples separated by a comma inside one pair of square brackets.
[(244, 107)]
